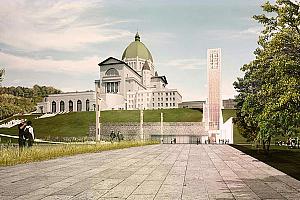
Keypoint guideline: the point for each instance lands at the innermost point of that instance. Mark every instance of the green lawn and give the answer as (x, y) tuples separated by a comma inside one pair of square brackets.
[(280, 157), (170, 115), (10, 155), (237, 137), (76, 124)]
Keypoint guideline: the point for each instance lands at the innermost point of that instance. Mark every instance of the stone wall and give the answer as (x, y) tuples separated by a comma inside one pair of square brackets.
[(150, 129)]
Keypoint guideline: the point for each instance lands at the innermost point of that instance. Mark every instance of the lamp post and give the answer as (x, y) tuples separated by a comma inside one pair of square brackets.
[(98, 104), (141, 124), (161, 127)]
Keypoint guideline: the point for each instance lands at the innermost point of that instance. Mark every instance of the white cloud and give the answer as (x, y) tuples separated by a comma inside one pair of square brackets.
[(87, 65), (186, 64), (58, 25), (252, 30)]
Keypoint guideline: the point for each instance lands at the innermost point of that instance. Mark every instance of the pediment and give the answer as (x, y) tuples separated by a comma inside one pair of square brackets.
[(111, 61)]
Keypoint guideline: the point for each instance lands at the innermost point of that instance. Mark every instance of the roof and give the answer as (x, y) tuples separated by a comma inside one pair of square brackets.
[(137, 49), (116, 61), (146, 66), (163, 78)]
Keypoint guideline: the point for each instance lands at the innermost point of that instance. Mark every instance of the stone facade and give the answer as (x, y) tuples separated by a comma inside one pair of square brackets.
[(184, 132), (192, 104), (67, 102), (229, 104)]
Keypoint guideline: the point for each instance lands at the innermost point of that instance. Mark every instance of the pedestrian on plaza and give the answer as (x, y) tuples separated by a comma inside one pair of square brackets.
[(29, 134), (21, 139), (119, 136), (112, 136)]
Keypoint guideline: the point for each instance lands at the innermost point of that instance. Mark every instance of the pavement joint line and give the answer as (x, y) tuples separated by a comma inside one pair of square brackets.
[(148, 174), (148, 150), (184, 179), (118, 156), (209, 172), (168, 172), (223, 178), (239, 155)]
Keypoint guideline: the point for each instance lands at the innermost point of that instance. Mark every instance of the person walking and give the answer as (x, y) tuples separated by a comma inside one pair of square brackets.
[(21, 139), (29, 134)]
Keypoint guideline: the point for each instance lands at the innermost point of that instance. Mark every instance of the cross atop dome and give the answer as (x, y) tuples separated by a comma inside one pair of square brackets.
[(137, 37)]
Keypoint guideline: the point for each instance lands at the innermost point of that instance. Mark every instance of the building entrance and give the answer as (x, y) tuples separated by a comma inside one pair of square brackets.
[(180, 139)]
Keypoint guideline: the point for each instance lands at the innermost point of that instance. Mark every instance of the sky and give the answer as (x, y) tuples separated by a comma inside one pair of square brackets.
[(59, 43)]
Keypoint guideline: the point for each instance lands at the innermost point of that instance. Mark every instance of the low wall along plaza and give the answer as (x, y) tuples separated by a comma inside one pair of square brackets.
[(184, 132)]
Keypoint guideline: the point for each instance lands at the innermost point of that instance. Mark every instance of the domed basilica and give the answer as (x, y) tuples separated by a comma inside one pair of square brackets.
[(127, 84), (132, 83)]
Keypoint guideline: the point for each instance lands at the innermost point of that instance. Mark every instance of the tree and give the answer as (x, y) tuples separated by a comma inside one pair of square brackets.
[(21, 99), (269, 94), (2, 73)]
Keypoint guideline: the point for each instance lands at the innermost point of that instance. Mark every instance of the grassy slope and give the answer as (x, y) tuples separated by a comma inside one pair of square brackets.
[(11, 155), (280, 157), (170, 115), (76, 124), (237, 137)]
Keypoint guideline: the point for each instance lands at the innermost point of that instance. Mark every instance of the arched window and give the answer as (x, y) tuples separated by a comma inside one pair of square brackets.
[(70, 106), (53, 107), (62, 106), (87, 105), (112, 72), (79, 106)]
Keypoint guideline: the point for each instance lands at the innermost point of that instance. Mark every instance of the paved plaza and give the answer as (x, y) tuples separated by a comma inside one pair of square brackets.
[(181, 171)]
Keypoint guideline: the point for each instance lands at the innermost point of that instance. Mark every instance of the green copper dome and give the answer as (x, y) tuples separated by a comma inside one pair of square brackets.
[(137, 49)]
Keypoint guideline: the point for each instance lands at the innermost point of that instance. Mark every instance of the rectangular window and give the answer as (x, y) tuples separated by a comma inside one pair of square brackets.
[(173, 98), (153, 99), (158, 104), (116, 87), (166, 94), (153, 105), (112, 87), (107, 87), (166, 104), (166, 99), (174, 104)]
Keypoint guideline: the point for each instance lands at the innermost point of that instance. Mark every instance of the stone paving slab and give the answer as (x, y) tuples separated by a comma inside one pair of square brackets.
[(178, 171)]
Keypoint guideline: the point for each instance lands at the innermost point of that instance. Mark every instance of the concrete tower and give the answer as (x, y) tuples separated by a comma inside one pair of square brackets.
[(214, 92)]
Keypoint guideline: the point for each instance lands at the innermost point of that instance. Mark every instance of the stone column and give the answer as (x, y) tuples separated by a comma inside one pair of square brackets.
[(161, 127), (98, 104), (141, 124)]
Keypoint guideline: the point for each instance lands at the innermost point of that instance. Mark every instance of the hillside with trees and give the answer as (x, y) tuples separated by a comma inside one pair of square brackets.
[(22, 99)]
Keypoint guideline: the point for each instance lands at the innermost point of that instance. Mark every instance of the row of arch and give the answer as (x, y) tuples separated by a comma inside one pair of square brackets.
[(70, 106)]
